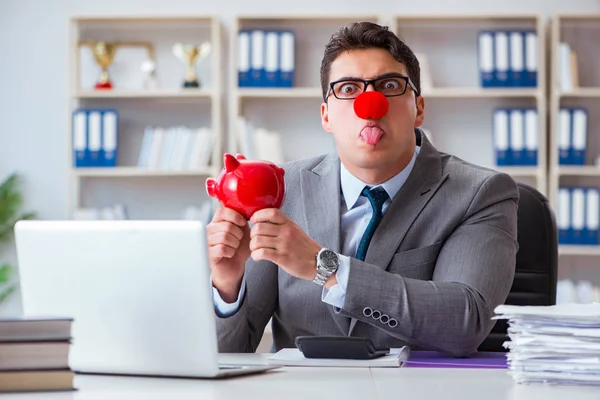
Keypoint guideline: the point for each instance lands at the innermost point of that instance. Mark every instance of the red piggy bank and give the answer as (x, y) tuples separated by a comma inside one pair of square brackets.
[(247, 186)]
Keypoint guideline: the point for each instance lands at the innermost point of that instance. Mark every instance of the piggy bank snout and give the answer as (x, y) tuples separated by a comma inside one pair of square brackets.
[(211, 185)]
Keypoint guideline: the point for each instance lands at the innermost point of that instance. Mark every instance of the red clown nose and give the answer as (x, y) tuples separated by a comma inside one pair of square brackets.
[(371, 105)]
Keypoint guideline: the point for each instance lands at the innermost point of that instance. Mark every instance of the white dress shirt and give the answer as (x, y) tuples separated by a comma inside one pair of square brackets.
[(356, 212)]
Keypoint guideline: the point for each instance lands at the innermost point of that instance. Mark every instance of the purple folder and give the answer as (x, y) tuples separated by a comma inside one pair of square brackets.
[(433, 359)]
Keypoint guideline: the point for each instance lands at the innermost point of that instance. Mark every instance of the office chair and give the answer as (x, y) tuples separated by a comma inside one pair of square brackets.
[(537, 259)]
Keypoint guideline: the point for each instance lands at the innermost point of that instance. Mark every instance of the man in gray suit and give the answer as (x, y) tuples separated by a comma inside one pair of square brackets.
[(387, 238)]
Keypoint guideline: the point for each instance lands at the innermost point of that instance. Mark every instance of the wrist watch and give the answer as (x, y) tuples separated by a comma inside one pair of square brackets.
[(328, 262)]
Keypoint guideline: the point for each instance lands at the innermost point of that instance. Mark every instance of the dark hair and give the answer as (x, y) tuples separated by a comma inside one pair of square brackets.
[(364, 35)]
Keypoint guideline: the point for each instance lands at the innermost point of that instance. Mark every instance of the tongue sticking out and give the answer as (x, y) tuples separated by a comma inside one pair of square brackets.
[(371, 134)]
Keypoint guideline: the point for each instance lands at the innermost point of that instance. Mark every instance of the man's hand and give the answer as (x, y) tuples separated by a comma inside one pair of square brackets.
[(228, 236), (276, 238)]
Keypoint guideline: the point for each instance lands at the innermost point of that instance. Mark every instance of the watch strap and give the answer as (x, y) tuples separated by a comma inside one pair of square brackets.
[(322, 276)]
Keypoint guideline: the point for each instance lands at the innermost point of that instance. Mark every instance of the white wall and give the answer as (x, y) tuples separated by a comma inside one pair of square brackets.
[(33, 65)]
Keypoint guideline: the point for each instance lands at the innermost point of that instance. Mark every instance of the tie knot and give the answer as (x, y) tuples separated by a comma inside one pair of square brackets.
[(377, 196)]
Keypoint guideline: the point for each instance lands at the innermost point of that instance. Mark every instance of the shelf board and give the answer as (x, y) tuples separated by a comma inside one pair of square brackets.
[(124, 172), (579, 17), (578, 250), (321, 17), (146, 94), (294, 92), (144, 18), (459, 92), (465, 17), (581, 92), (522, 171), (477, 92), (584, 170)]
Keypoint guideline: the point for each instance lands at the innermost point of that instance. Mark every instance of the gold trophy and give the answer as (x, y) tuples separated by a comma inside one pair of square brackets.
[(104, 54), (190, 55)]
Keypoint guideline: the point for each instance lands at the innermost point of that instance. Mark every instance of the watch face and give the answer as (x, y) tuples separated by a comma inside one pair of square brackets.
[(329, 259)]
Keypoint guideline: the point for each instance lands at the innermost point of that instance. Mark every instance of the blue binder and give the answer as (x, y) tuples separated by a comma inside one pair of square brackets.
[(244, 54), (564, 136), (592, 216), (109, 132), (486, 58), (272, 58), (532, 136), (516, 69), (531, 58), (94, 143), (501, 58), (501, 135), (517, 136), (79, 138), (579, 133), (257, 58), (287, 58), (578, 215), (564, 215)]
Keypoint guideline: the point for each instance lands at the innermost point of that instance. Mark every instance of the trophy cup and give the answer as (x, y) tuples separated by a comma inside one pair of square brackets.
[(148, 67), (104, 54), (190, 55)]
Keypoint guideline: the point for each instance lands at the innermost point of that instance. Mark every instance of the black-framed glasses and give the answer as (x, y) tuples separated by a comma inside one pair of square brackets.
[(389, 85)]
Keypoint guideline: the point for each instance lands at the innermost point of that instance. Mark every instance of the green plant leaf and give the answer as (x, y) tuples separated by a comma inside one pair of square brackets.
[(11, 200), (7, 230), (6, 272), (7, 292)]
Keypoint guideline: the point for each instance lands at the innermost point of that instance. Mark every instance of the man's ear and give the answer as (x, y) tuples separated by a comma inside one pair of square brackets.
[(325, 117), (420, 117)]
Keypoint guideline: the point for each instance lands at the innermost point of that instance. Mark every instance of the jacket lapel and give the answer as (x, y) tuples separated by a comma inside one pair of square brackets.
[(422, 183), (321, 204)]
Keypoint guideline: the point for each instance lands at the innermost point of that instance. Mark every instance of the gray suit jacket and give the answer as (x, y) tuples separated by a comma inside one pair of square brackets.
[(440, 261)]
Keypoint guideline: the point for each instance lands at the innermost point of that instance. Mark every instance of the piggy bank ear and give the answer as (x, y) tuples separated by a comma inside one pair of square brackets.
[(230, 162), (239, 156)]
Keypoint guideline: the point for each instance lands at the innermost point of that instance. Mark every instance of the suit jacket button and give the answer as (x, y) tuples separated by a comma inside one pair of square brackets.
[(384, 319), (393, 323), (367, 311), (376, 315)]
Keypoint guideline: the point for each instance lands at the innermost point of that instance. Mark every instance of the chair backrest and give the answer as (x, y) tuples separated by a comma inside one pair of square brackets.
[(537, 260)]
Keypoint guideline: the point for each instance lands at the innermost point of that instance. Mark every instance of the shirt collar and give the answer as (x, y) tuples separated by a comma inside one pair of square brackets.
[(352, 186)]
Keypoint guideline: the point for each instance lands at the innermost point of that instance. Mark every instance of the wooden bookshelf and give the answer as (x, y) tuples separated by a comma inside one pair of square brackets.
[(166, 104), (458, 109), (580, 32)]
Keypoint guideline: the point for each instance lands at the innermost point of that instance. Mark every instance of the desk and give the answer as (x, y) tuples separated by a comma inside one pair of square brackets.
[(319, 383)]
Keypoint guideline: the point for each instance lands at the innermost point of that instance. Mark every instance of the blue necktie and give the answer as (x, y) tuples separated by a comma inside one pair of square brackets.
[(377, 196)]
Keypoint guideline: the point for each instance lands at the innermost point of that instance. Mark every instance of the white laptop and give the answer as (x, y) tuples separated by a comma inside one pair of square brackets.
[(139, 292)]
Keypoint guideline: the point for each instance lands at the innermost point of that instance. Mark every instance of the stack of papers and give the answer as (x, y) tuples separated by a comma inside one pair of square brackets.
[(293, 357), (553, 344)]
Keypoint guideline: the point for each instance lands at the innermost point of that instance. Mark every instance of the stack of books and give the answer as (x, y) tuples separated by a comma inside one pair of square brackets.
[(34, 354), (553, 344)]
